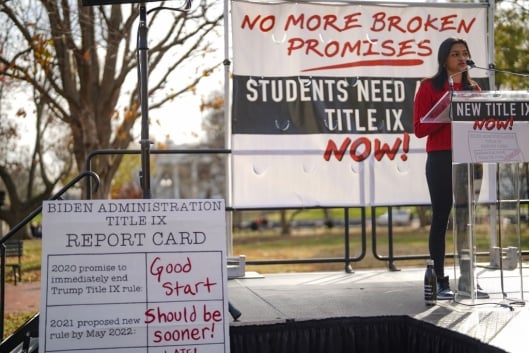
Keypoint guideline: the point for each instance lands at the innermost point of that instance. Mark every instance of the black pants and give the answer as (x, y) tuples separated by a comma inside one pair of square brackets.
[(439, 179)]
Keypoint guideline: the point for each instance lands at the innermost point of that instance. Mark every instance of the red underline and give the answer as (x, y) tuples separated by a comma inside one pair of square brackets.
[(378, 62)]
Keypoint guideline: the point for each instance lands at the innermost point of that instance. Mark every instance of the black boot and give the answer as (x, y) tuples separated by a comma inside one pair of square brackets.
[(443, 289)]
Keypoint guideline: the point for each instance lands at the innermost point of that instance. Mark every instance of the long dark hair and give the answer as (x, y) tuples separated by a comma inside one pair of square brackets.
[(441, 76)]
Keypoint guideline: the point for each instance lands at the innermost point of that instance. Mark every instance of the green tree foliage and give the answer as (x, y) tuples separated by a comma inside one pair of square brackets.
[(511, 36)]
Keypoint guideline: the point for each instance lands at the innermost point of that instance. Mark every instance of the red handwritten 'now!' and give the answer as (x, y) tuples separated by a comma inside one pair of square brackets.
[(361, 148), (493, 124)]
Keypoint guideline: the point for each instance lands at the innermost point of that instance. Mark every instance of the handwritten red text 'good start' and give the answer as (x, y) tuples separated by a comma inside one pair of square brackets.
[(176, 288), (379, 22)]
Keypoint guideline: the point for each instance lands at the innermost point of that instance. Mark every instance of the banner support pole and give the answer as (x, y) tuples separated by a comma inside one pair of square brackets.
[(145, 143)]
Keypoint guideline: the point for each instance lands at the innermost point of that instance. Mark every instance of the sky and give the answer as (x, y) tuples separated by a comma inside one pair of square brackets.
[(181, 119)]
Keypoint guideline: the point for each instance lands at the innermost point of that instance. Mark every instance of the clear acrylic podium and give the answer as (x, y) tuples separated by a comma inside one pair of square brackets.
[(489, 146)]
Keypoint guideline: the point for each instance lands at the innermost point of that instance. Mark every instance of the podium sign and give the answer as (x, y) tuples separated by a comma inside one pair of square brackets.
[(490, 127)]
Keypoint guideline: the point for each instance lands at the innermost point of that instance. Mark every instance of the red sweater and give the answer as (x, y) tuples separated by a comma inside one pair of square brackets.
[(439, 134)]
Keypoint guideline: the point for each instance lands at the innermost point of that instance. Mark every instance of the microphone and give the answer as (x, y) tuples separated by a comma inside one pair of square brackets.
[(470, 65)]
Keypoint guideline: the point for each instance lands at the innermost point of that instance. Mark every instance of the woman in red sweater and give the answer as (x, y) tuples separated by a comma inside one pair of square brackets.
[(452, 73)]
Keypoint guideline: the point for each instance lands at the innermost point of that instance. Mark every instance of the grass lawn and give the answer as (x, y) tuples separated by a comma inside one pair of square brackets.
[(31, 262), (324, 242)]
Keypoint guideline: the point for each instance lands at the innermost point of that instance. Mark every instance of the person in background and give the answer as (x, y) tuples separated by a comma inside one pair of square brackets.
[(452, 74)]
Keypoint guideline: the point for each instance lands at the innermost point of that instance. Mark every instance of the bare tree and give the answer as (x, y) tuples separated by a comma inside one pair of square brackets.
[(82, 61)]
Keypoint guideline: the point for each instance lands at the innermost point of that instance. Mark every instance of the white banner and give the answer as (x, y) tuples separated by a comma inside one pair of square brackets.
[(323, 99)]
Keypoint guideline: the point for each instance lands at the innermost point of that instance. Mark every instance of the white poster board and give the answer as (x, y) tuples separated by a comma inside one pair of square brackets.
[(490, 127), (131, 276)]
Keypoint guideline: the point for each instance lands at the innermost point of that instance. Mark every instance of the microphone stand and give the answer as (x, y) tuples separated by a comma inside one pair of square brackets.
[(492, 67), (451, 87)]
